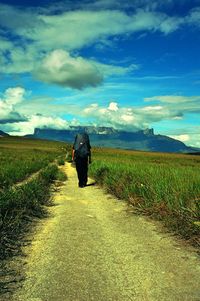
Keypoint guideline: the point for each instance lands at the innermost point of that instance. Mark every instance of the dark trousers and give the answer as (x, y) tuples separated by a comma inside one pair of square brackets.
[(82, 170)]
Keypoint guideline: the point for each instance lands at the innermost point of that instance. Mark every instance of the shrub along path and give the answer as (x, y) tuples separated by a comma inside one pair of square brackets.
[(93, 248)]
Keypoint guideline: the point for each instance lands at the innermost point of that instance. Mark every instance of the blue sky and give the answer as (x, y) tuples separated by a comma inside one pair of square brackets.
[(126, 64)]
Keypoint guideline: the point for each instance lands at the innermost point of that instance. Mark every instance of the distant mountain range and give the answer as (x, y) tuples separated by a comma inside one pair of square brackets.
[(3, 134), (108, 137)]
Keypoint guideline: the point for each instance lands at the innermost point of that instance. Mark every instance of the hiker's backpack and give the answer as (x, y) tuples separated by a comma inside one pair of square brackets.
[(81, 146)]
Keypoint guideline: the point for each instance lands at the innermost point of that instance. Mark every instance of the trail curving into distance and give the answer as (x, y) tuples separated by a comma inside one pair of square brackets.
[(92, 248)]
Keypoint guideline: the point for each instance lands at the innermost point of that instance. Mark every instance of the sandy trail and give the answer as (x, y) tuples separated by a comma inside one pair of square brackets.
[(92, 248)]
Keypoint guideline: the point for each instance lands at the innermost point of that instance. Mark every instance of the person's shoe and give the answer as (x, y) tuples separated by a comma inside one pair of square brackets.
[(81, 186)]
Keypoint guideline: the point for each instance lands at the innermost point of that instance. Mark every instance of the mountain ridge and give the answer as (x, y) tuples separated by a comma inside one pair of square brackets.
[(144, 140)]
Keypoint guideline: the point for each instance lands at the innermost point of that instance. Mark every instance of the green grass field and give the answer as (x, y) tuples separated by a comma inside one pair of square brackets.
[(165, 186), (28, 167)]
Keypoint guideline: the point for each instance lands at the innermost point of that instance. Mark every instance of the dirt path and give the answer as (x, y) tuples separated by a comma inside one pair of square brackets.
[(91, 248)]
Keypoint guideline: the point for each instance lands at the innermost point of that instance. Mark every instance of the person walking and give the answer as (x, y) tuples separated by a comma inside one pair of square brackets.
[(81, 155)]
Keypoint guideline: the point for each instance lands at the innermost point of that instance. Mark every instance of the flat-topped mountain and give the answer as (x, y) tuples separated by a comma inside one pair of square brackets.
[(109, 137)]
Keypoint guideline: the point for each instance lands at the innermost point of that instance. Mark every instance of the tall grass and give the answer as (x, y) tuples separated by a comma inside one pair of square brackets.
[(19, 159), (19, 164), (163, 185), (19, 204)]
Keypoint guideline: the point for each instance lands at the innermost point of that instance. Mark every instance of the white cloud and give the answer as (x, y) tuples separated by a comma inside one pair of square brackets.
[(157, 113), (114, 116), (16, 118), (190, 138), (108, 70), (38, 32), (127, 118), (60, 68), (183, 137), (152, 108), (19, 58), (91, 108), (16, 123), (113, 106), (194, 17), (176, 99), (47, 30), (171, 24), (11, 97), (92, 26), (14, 18), (111, 5), (5, 44), (180, 105), (132, 118), (74, 72), (37, 121)]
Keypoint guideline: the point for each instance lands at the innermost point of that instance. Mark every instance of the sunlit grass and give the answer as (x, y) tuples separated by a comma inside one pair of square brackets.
[(20, 160), (20, 157), (166, 186)]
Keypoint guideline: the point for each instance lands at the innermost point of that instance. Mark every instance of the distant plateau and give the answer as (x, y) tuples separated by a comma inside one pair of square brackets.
[(144, 140)]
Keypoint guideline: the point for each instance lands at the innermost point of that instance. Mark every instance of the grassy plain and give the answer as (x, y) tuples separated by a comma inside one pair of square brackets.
[(165, 186), (28, 167)]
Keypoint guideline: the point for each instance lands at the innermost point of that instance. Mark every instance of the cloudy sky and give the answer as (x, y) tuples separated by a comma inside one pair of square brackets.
[(127, 64)]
